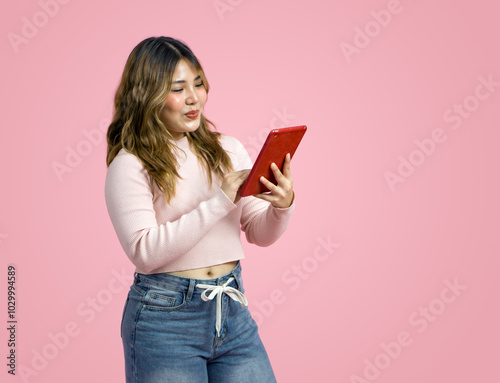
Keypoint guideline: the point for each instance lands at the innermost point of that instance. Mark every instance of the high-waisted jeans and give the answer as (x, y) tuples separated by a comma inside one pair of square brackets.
[(177, 329)]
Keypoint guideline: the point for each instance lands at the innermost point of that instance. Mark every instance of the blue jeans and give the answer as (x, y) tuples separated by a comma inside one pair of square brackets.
[(169, 333)]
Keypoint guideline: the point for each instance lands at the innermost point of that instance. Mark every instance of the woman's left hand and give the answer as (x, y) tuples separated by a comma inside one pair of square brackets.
[(281, 195)]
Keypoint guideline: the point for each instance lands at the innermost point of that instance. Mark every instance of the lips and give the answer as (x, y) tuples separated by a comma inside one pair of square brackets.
[(192, 114)]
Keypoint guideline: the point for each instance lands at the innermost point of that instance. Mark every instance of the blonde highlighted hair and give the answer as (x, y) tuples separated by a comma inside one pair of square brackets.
[(136, 124)]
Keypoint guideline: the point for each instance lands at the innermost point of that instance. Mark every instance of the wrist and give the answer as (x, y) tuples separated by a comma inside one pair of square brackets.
[(288, 205)]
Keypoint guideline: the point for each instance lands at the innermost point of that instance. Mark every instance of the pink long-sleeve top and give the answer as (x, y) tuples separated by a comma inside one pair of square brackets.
[(200, 227)]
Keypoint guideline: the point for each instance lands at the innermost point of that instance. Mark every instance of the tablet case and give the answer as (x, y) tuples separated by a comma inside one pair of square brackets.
[(279, 142)]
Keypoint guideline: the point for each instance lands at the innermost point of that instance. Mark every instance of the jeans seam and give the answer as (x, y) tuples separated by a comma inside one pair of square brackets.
[(162, 297), (136, 319), (165, 309), (139, 290), (123, 315)]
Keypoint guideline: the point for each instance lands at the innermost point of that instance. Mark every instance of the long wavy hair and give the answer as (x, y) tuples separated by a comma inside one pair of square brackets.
[(136, 124)]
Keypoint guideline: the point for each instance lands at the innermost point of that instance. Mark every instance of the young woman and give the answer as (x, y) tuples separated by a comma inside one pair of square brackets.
[(172, 196)]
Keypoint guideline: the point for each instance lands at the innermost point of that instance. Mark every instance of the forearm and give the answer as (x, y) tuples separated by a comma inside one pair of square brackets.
[(153, 247), (264, 224), (148, 242)]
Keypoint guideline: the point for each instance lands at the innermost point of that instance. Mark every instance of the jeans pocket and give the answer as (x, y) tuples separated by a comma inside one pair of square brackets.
[(164, 300)]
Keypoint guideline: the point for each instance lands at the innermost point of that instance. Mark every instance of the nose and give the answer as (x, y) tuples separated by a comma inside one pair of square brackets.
[(192, 97)]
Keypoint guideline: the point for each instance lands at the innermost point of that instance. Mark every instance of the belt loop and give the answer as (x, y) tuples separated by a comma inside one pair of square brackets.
[(136, 277), (236, 279), (190, 289)]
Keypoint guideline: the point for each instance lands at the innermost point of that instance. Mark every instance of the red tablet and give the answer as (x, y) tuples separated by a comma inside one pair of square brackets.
[(279, 142)]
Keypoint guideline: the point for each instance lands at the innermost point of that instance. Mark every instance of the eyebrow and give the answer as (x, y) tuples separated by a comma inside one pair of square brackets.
[(181, 81)]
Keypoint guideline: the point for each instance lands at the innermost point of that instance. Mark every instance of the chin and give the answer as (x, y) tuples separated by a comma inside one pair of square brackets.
[(194, 128)]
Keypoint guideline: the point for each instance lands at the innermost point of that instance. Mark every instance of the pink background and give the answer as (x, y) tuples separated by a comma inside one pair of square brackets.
[(323, 316)]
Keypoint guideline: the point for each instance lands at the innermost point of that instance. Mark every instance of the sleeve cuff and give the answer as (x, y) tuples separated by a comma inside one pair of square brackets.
[(291, 207), (225, 199), (283, 213)]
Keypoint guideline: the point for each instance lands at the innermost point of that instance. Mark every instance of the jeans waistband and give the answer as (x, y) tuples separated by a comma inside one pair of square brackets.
[(183, 284)]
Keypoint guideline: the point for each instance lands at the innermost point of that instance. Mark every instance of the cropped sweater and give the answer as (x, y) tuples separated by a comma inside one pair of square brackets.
[(200, 227)]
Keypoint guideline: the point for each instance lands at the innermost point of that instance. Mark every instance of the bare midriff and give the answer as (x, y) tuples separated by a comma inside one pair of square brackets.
[(210, 272)]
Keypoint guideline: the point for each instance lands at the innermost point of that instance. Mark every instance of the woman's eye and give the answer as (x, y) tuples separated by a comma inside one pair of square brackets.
[(181, 89)]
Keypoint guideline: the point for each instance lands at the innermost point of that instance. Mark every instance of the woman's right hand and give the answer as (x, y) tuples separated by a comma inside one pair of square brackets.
[(232, 182)]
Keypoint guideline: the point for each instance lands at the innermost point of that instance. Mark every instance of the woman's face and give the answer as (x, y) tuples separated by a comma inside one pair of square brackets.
[(185, 101)]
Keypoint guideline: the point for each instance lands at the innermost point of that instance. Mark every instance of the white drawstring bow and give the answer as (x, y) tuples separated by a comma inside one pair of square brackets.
[(233, 293)]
